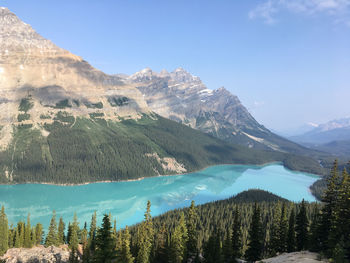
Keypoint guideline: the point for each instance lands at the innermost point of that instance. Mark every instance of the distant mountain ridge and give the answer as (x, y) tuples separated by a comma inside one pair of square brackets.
[(335, 130), (182, 97)]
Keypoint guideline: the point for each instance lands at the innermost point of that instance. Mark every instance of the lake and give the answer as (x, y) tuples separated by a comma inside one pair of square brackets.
[(127, 200)]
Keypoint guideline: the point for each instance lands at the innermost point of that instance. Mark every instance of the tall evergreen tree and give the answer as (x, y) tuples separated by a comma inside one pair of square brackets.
[(179, 240), (39, 233), (274, 244), (74, 240), (283, 229), (329, 209), (192, 220), (104, 252), (236, 236), (255, 245), (27, 234), (126, 256), (291, 242), (145, 239), (60, 235), (227, 252), (51, 238), (92, 233), (4, 232), (161, 250), (302, 224), (212, 248)]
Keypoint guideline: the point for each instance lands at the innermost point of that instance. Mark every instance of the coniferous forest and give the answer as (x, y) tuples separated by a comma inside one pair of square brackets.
[(252, 225)]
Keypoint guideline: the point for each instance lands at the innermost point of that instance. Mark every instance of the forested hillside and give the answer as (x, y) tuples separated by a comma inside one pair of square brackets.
[(253, 225), (79, 150)]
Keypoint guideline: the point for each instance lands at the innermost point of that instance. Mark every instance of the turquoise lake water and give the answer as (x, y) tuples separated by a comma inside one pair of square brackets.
[(127, 200)]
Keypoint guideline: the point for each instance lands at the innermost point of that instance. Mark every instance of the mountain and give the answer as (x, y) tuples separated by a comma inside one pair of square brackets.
[(184, 98), (335, 130), (63, 121)]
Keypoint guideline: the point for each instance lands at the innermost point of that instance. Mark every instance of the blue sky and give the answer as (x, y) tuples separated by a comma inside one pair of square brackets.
[(288, 61)]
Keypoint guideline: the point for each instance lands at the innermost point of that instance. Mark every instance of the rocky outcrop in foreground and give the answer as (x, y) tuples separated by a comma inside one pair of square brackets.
[(36, 255), (300, 257)]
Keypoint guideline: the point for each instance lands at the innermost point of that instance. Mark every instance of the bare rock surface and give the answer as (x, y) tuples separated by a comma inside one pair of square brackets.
[(300, 257), (38, 254)]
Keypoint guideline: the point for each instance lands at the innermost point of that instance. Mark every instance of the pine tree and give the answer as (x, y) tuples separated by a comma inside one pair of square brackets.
[(126, 256), (291, 243), (27, 234), (192, 219), (84, 242), (179, 240), (39, 233), (33, 236), (274, 244), (92, 233), (343, 224), (236, 236), (161, 250), (145, 240), (51, 238), (11, 236), (283, 229), (302, 224), (328, 212), (255, 245), (104, 252), (227, 247), (4, 232), (212, 248), (60, 235), (74, 240)]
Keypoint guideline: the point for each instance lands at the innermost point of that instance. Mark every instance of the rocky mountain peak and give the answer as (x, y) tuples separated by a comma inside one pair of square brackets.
[(15, 35), (183, 76)]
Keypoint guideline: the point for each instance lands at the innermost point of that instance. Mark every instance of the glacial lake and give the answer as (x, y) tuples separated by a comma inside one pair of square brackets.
[(127, 200)]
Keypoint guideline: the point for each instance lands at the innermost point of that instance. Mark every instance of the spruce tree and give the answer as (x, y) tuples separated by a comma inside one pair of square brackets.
[(92, 233), (74, 240), (329, 209), (255, 244), (145, 239), (302, 224), (343, 224), (126, 256), (39, 233), (60, 235), (161, 250), (274, 244), (236, 236), (4, 232), (291, 242), (212, 248), (227, 252), (283, 228), (27, 234), (104, 252), (192, 221), (51, 238), (179, 240)]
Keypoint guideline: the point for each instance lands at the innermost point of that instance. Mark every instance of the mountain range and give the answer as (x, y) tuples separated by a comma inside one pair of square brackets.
[(332, 137), (63, 121)]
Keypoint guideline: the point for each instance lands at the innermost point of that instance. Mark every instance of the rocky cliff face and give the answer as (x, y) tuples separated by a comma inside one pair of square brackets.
[(32, 67), (182, 97)]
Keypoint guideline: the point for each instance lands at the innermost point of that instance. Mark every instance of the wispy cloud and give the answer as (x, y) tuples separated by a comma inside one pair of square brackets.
[(339, 10)]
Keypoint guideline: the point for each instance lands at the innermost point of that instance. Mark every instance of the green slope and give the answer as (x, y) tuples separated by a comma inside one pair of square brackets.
[(93, 149)]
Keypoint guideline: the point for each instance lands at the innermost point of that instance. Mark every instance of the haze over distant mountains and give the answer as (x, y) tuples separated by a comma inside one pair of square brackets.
[(332, 137), (61, 120)]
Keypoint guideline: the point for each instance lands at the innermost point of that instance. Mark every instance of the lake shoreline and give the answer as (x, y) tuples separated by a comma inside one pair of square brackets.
[(142, 178)]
